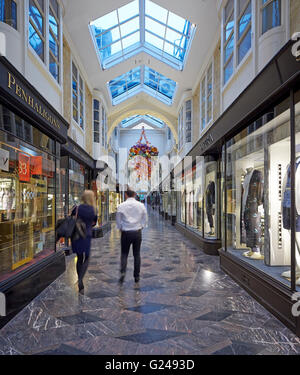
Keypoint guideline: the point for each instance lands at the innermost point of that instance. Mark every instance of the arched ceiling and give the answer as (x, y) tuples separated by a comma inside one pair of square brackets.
[(203, 13)]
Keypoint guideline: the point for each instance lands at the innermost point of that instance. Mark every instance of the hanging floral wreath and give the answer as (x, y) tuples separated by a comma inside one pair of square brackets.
[(143, 149)]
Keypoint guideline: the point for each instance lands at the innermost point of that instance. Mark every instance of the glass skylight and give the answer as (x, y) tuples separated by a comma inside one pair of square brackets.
[(140, 79), (133, 120), (142, 26)]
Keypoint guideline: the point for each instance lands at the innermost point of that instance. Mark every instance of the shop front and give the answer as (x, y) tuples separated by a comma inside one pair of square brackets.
[(198, 202), (258, 143), (31, 134), (77, 168), (101, 187)]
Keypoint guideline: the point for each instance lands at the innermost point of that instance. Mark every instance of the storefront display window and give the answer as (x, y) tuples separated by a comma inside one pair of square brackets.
[(210, 200), (297, 188), (76, 183), (27, 195), (258, 193)]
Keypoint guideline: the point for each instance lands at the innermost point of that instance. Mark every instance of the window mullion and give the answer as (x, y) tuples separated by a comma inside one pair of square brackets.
[(46, 31), (142, 21)]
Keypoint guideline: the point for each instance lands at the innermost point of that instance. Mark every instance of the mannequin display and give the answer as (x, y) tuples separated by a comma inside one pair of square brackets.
[(252, 198), (286, 213), (210, 201)]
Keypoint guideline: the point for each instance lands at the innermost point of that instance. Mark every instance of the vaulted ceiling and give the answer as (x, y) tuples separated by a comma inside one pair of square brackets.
[(203, 13)]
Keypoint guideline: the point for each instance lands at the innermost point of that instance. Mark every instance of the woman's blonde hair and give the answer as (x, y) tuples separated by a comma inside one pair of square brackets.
[(88, 197)]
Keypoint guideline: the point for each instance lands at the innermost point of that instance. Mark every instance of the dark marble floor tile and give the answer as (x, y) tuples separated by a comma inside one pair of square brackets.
[(240, 348), (80, 318), (179, 279), (215, 316), (168, 269), (63, 350), (148, 308), (151, 336), (101, 294)]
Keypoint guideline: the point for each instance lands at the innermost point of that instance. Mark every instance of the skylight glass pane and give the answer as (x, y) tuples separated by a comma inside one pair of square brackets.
[(174, 37), (159, 83), (160, 27), (129, 27), (128, 11), (156, 11), (177, 23), (111, 50), (155, 27), (106, 22), (125, 82), (154, 40), (174, 51), (131, 40)]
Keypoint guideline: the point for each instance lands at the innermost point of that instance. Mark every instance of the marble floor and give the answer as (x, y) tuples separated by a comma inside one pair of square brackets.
[(184, 304)]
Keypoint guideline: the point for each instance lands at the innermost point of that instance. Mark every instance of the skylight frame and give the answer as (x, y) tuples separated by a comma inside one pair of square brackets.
[(142, 45), (141, 87), (136, 119)]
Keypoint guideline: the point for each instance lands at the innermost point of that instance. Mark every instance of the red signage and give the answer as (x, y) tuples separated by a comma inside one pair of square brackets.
[(36, 165), (24, 168)]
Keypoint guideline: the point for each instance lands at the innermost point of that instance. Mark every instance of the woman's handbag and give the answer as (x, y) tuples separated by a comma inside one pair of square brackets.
[(70, 227)]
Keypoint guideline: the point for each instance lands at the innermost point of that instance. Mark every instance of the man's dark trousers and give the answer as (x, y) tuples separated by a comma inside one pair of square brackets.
[(128, 238)]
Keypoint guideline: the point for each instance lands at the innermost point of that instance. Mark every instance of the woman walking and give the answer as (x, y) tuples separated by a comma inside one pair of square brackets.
[(82, 247)]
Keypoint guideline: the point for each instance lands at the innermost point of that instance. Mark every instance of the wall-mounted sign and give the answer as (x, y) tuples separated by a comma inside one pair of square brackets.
[(4, 160)]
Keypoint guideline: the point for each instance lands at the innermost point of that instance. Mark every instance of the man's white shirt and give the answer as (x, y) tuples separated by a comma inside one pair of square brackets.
[(131, 215)]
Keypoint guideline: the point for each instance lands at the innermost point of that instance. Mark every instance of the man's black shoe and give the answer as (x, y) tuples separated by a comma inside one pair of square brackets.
[(137, 279), (121, 279)]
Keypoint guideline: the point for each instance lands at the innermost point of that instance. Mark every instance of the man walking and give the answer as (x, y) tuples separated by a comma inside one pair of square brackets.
[(131, 219)]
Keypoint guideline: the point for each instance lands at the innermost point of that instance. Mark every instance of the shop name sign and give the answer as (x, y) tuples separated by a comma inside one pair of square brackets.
[(23, 94), (206, 142)]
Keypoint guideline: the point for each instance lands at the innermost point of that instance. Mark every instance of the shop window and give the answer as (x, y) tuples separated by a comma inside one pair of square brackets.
[(194, 197), (96, 121), (45, 38), (76, 183), (77, 96), (210, 200), (206, 98), (8, 13), (258, 194), (27, 199), (271, 14)]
